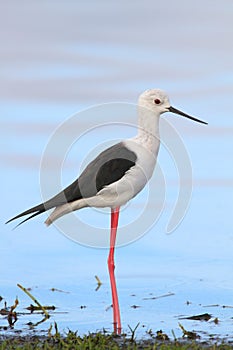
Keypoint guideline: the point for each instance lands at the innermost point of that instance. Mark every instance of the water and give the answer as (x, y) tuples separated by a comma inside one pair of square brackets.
[(85, 54)]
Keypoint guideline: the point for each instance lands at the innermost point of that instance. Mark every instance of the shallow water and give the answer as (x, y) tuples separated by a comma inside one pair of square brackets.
[(155, 302), (82, 56)]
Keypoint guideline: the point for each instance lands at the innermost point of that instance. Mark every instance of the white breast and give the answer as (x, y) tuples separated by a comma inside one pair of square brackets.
[(135, 179), (146, 153)]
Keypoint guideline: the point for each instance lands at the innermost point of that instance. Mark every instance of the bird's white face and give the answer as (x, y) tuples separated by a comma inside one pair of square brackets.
[(156, 100)]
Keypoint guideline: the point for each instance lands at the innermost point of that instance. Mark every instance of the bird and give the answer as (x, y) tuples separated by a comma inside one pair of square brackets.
[(114, 177)]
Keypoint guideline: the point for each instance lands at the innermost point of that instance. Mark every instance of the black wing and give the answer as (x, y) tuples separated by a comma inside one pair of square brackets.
[(107, 168)]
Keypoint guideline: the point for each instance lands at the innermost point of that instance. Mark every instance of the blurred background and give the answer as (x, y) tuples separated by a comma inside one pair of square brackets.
[(57, 58)]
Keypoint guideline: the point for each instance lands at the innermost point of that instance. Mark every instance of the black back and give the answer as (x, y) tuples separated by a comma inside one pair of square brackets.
[(108, 167)]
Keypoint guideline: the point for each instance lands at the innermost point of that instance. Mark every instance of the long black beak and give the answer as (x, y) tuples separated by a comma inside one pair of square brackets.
[(176, 111)]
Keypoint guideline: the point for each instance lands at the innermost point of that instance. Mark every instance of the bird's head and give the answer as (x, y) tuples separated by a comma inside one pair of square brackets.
[(157, 101)]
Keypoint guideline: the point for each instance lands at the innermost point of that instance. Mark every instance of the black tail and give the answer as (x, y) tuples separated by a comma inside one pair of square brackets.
[(69, 194), (41, 208), (61, 198)]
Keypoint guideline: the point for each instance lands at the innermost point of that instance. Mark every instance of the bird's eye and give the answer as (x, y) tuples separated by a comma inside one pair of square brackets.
[(157, 101)]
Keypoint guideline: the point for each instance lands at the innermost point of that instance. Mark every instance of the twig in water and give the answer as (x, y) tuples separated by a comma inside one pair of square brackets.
[(99, 283), (34, 299)]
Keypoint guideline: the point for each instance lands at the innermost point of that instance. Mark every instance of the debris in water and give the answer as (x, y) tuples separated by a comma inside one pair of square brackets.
[(34, 299), (99, 283), (160, 296), (188, 334), (33, 308), (202, 317), (161, 336), (58, 290)]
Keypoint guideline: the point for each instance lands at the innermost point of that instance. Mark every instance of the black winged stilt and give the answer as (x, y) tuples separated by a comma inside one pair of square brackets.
[(114, 177)]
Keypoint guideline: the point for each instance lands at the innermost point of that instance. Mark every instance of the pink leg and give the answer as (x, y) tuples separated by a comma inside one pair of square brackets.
[(111, 267)]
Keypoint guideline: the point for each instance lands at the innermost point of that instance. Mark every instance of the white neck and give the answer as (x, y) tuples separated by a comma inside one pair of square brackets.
[(148, 129)]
